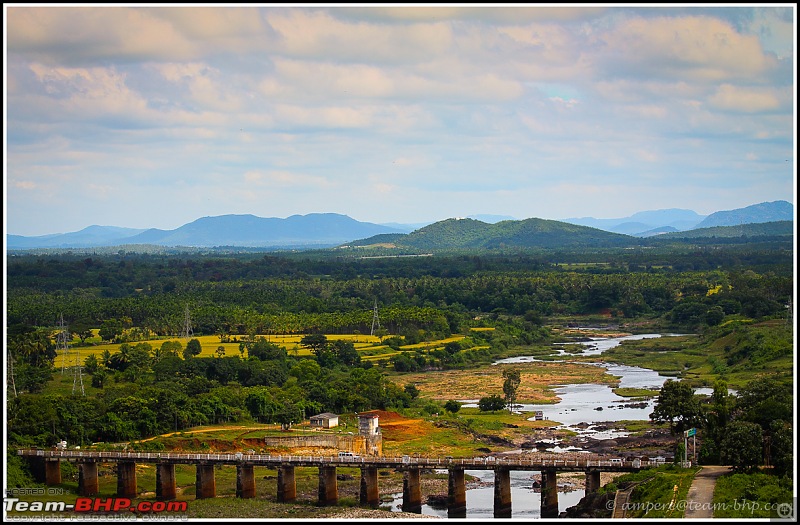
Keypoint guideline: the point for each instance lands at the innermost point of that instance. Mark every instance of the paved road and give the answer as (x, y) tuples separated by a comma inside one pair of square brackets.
[(701, 493)]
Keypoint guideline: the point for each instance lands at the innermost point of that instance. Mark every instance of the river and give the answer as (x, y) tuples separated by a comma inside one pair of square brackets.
[(579, 404)]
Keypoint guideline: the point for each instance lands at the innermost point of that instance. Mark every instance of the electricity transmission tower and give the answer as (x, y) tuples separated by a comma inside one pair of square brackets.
[(375, 321), (10, 370), (77, 378), (62, 343), (187, 325)]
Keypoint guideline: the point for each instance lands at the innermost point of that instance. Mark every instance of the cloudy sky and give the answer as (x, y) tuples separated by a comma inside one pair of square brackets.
[(155, 116)]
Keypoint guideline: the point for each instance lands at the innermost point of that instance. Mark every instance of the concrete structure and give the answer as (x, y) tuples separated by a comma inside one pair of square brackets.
[(324, 420), (328, 490), (165, 481), (287, 487), (368, 428), (126, 479), (592, 481), (52, 472), (549, 494), (548, 464), (412, 493), (88, 484), (456, 494), (245, 481), (205, 481), (502, 493), (369, 495)]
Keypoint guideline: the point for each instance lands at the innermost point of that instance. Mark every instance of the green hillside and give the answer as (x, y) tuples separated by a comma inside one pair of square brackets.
[(762, 229), (471, 234), (528, 233)]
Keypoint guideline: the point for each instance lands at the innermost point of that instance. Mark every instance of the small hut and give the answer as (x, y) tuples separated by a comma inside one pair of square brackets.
[(325, 420)]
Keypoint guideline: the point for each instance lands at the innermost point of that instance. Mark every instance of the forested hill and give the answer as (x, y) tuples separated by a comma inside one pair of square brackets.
[(764, 229), (539, 233), (474, 234)]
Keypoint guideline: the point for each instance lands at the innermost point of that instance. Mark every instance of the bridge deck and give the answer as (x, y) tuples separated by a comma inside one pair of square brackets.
[(535, 463)]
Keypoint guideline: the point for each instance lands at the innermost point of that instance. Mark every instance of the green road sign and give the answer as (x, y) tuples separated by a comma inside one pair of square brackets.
[(691, 432)]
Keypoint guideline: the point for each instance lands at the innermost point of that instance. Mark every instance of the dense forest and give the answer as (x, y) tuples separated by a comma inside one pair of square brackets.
[(145, 388)]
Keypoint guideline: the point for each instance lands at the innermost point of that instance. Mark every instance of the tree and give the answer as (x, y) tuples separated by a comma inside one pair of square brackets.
[(765, 400), (381, 333), (715, 315), (452, 406), (90, 364), (83, 330), (511, 384), (110, 330), (781, 454), (220, 351), (742, 446), (99, 378), (412, 390), (192, 349), (265, 350), (677, 405), (717, 417), (314, 342), (346, 353), (491, 403)]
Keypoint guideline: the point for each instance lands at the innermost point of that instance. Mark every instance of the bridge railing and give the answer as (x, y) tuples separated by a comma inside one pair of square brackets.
[(408, 461)]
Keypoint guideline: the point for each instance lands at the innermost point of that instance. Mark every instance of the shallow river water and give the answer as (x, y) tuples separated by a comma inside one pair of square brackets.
[(578, 404)]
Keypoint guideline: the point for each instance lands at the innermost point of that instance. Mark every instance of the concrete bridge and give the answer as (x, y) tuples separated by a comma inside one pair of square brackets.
[(48, 470)]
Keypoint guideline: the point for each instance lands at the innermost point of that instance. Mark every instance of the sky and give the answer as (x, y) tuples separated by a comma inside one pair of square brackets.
[(154, 115)]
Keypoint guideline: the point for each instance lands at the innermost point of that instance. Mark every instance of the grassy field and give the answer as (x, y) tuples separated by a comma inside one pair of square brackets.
[(538, 378), (756, 495), (655, 495), (368, 346)]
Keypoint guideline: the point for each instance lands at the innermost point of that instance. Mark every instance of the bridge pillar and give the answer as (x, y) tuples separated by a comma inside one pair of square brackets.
[(52, 471), (287, 488), (502, 493), (592, 481), (165, 481), (549, 494), (245, 481), (87, 479), (328, 491), (456, 494), (412, 494), (369, 487), (126, 479), (205, 483)]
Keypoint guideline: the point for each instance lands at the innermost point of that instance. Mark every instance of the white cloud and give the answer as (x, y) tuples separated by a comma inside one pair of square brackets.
[(700, 48), (744, 100), (25, 185)]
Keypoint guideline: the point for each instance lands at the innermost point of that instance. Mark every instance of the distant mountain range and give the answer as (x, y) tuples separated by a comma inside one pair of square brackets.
[(315, 229), (648, 223), (320, 230)]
